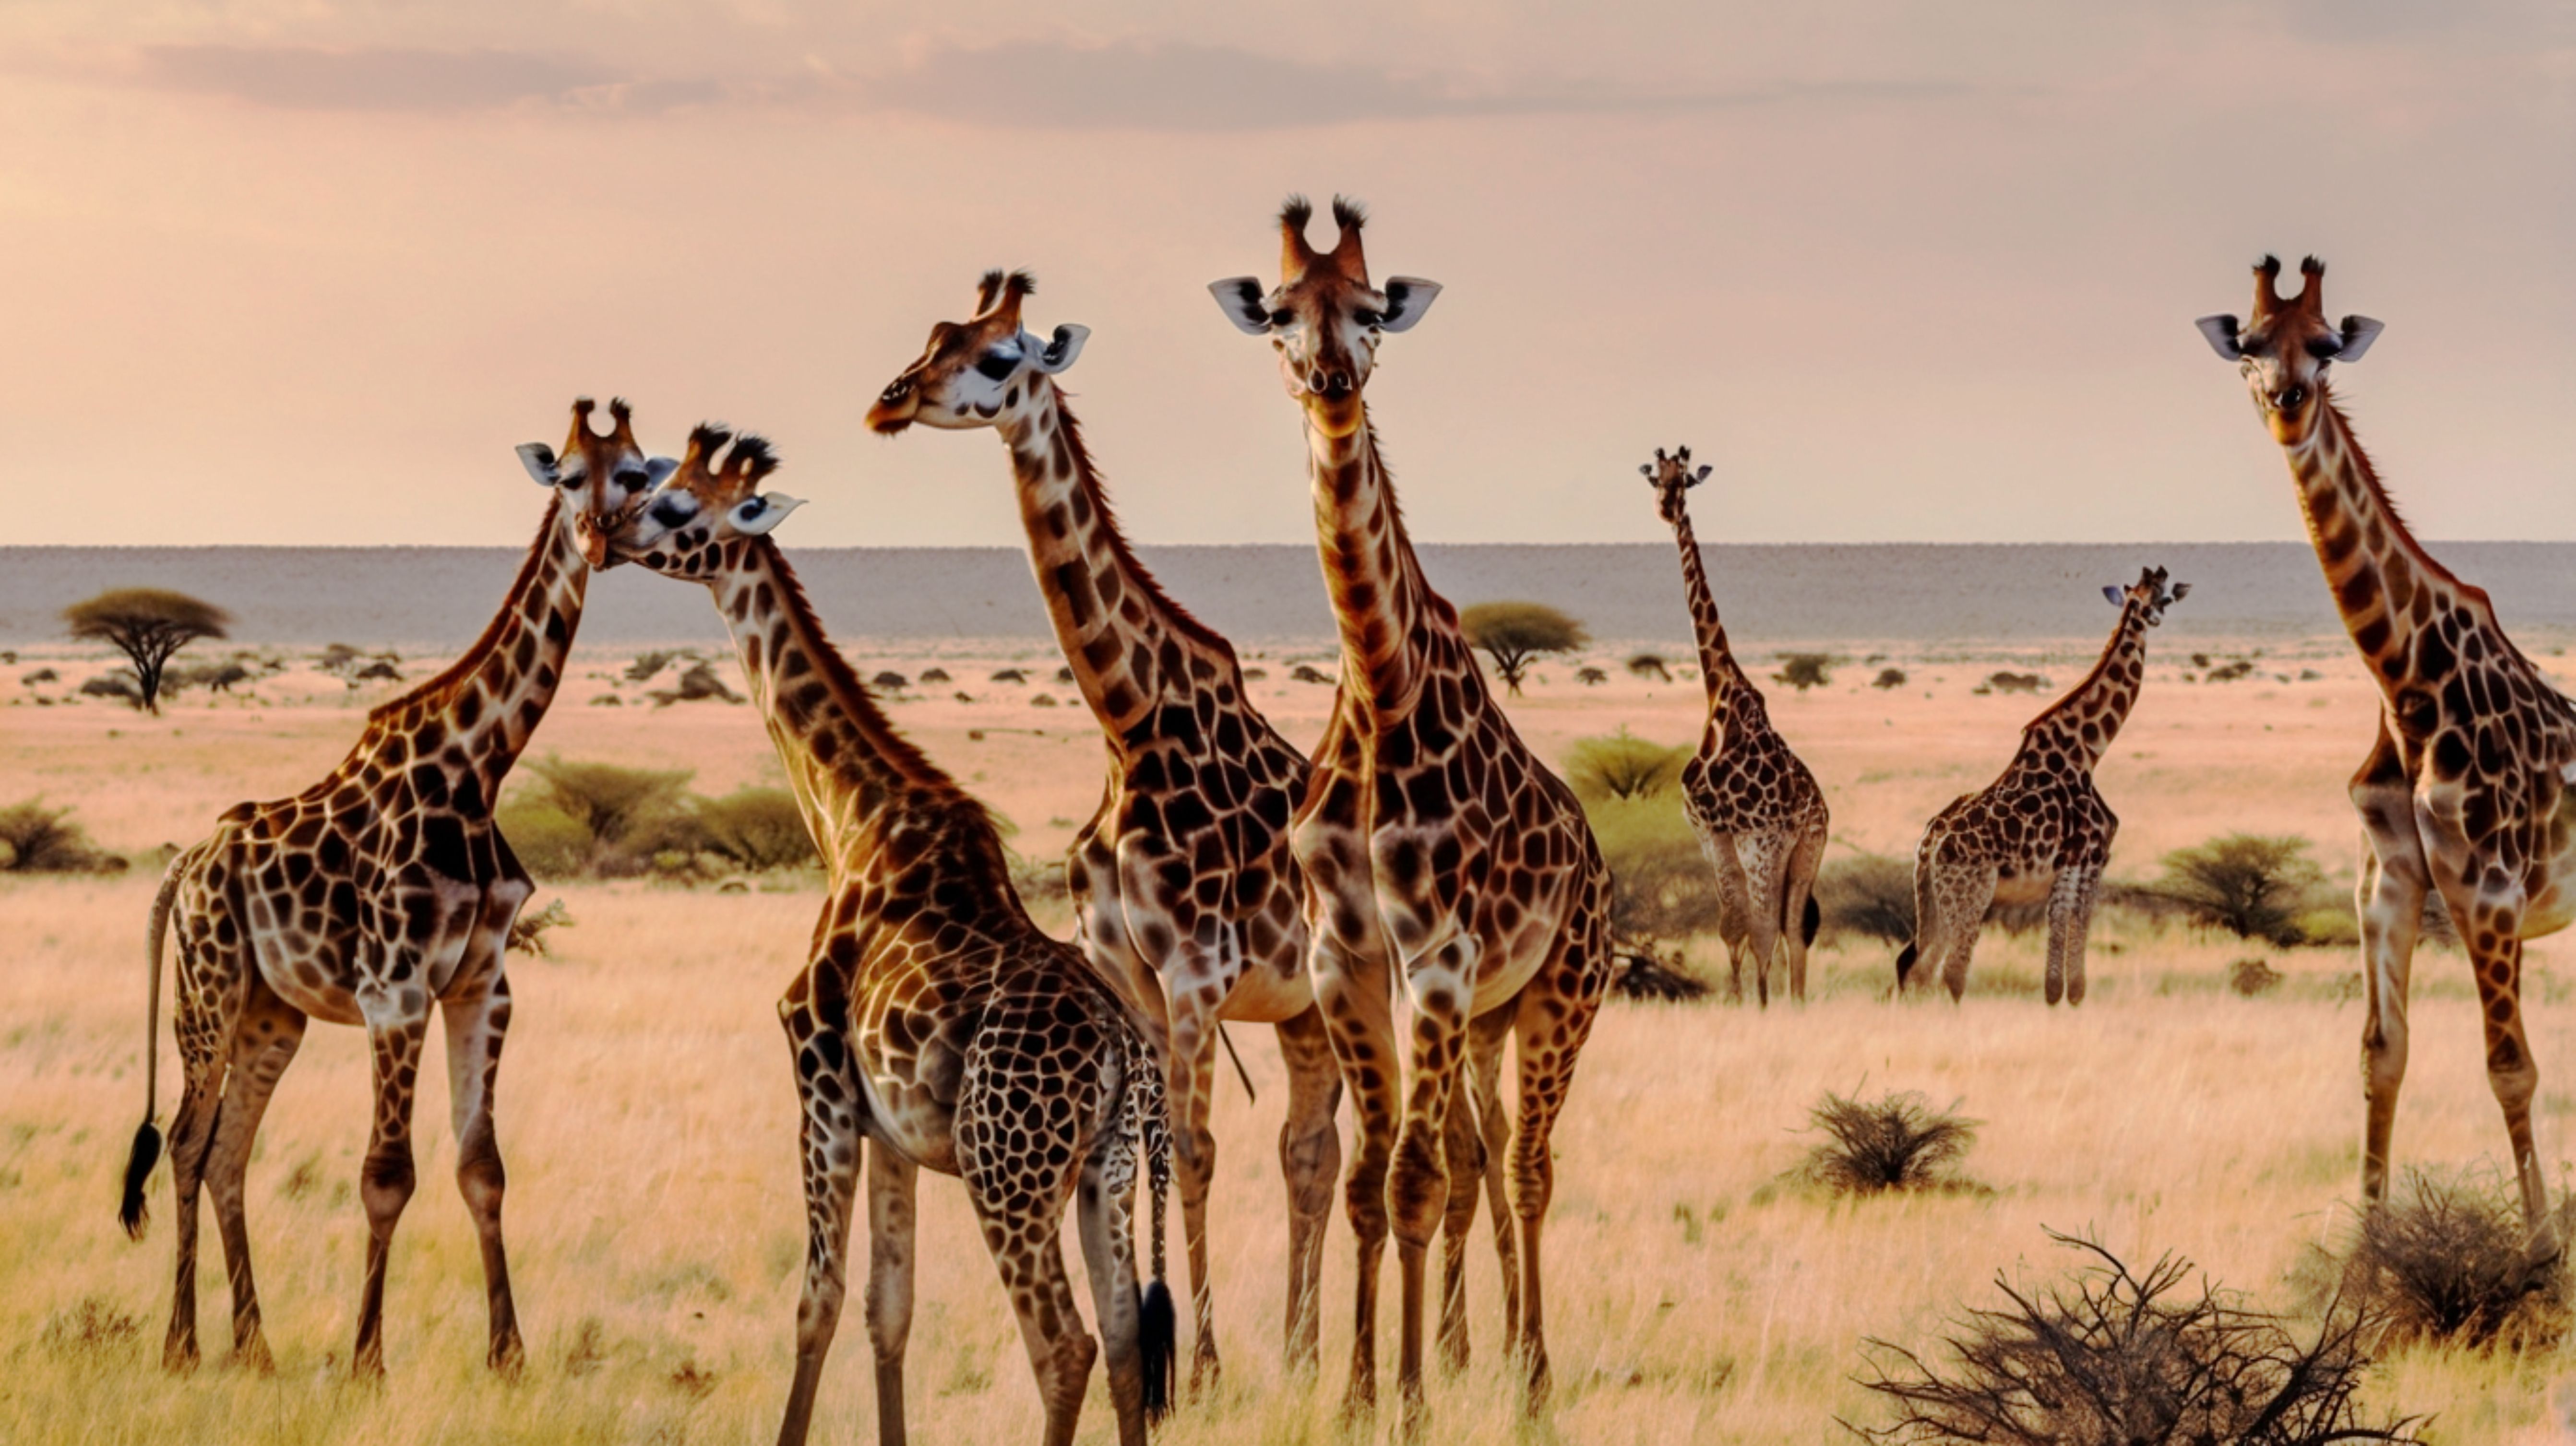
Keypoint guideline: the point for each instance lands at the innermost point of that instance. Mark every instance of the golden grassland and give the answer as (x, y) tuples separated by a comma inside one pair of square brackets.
[(646, 1114)]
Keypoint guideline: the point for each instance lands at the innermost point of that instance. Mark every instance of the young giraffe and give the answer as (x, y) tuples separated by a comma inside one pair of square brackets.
[(1759, 814), (2039, 831), (2466, 790), (1439, 854), (934, 1018), (1183, 882), (366, 899)]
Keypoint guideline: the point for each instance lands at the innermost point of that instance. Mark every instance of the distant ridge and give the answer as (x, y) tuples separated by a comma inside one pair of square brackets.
[(1924, 593)]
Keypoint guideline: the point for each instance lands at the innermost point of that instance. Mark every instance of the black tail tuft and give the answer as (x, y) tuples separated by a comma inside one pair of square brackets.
[(1158, 1339), (138, 1173), (1811, 922), (1904, 966)]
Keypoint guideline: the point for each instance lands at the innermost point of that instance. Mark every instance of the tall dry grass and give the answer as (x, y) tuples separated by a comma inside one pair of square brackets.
[(648, 1123)]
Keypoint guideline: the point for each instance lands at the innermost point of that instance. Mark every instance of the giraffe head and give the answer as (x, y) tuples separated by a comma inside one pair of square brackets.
[(599, 477), (686, 525), (975, 370), (2285, 350), (2148, 595), (1672, 476), (1324, 318)]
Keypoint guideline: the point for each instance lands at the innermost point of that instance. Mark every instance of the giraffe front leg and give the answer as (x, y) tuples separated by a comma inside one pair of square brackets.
[(476, 1026), (264, 1044), (397, 1016), (1486, 1036), (1465, 1148), (829, 1137), (1192, 1098), (1551, 1023), (2490, 924), (2392, 879), (2070, 918), (1353, 994), (891, 1187), (1310, 1160), (1440, 983)]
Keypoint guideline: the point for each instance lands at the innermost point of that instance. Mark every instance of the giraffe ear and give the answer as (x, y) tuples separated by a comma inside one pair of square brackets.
[(1240, 298), (2181, 590), (1058, 353), (2113, 594), (658, 470), (1407, 298), (539, 459), (757, 516), (2358, 333), (2221, 331)]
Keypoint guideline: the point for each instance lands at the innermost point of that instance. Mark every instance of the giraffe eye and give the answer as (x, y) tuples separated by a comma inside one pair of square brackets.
[(997, 365), (1368, 318), (1281, 318)]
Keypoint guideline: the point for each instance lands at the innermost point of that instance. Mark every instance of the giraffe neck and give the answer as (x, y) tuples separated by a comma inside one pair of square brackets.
[(1717, 665), (2384, 585), (858, 782), (1379, 595), (1127, 642), (492, 697), (2090, 715)]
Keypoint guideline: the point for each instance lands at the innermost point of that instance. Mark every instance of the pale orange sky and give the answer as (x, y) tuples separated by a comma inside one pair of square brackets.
[(301, 271)]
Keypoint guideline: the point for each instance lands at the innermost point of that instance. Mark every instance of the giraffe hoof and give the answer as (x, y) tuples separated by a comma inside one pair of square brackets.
[(252, 1354), (508, 1358), (179, 1357)]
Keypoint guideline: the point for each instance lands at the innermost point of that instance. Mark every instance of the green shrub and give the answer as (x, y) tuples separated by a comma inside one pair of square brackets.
[(1661, 887), (2253, 886), (758, 828), (1871, 895), (1622, 765), (550, 843), (609, 800)]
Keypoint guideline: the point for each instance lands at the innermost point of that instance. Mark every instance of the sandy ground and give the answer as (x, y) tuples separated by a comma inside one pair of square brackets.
[(647, 1118)]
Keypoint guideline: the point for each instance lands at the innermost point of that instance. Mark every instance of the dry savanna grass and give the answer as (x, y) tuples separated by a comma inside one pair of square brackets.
[(1699, 1291)]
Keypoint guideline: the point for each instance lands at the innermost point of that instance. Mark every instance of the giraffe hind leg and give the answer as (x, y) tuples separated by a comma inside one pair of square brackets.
[(1465, 1147), (212, 982), (264, 1043), (1310, 1158), (475, 1029), (829, 1136), (1104, 1208)]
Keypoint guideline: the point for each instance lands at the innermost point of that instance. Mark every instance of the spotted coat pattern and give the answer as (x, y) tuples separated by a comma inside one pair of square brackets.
[(1183, 882), (933, 1017), (1445, 864), (1760, 817), (379, 891), (2041, 830), (2466, 791)]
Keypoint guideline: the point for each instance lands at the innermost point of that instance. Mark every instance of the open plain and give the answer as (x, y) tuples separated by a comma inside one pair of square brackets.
[(1697, 1293)]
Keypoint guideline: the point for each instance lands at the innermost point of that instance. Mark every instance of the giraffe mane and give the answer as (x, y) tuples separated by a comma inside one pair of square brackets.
[(1182, 618), (472, 658)]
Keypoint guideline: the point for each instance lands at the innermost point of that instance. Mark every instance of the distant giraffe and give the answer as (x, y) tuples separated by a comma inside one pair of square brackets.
[(367, 898), (1441, 858), (2041, 830), (1183, 881), (2466, 791), (934, 1018), (1759, 814)]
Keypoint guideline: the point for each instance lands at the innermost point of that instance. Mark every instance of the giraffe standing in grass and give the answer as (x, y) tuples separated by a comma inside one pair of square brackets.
[(366, 899), (934, 1019), (2040, 831), (2466, 792), (1759, 814), (1183, 883), (1445, 865)]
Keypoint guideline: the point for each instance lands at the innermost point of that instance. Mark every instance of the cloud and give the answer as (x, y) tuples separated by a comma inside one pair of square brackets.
[(1183, 87), (389, 79)]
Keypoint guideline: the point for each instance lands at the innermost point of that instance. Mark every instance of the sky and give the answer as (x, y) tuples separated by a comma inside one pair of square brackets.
[(305, 271)]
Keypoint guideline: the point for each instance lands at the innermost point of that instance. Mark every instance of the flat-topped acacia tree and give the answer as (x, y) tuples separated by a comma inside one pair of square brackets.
[(148, 625)]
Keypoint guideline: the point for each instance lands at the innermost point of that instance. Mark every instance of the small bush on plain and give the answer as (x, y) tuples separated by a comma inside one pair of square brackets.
[(1871, 895), (1659, 876), (2446, 1260), (1622, 765), (1895, 1142), (2253, 978), (35, 839), (2253, 886), (2121, 1358)]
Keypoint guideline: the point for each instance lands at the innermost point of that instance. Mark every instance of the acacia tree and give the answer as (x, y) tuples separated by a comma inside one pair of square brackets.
[(148, 625), (1513, 633)]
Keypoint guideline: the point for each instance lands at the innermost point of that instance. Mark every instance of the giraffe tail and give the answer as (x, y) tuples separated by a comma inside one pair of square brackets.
[(132, 1213), (1811, 921), (1158, 1330)]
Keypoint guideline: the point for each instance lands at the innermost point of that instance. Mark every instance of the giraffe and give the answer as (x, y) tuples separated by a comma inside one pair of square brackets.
[(2040, 831), (378, 892), (1759, 814), (1440, 856), (2465, 790), (1183, 882), (933, 1018)]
